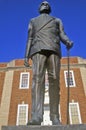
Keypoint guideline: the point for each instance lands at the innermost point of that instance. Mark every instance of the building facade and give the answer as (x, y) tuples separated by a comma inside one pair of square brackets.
[(15, 92)]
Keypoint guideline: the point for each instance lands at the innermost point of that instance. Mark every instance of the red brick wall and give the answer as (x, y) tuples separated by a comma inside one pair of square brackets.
[(73, 60), (18, 96), (21, 62), (76, 93), (3, 64)]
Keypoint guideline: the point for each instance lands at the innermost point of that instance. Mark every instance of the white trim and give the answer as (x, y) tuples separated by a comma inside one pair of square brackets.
[(18, 110), (59, 112), (77, 105), (21, 80), (72, 78)]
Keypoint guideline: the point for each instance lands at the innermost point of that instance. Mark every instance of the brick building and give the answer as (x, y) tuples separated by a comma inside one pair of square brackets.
[(15, 92)]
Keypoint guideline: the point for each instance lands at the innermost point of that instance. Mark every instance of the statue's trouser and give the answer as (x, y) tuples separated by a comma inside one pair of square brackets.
[(40, 64)]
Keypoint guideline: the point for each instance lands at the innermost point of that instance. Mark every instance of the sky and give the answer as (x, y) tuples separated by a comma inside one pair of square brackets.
[(16, 14)]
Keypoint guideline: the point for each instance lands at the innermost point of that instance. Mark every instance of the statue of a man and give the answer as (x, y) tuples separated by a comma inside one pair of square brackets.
[(43, 47)]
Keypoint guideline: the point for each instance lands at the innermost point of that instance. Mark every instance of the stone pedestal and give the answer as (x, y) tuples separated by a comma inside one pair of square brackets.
[(60, 127)]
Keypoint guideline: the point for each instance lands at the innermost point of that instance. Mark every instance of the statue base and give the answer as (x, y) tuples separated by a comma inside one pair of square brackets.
[(53, 127)]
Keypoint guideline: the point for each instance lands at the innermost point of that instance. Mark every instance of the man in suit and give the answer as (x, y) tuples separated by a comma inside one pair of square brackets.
[(43, 47)]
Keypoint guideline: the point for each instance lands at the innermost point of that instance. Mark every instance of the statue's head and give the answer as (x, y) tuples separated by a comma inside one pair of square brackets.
[(44, 7)]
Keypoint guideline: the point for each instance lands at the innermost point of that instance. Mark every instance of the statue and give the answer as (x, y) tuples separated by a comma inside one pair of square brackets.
[(43, 47)]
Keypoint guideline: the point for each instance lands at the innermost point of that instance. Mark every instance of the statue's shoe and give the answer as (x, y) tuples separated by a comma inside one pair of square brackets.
[(34, 122), (56, 121)]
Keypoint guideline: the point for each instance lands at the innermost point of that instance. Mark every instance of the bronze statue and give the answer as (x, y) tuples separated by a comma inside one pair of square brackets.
[(43, 47)]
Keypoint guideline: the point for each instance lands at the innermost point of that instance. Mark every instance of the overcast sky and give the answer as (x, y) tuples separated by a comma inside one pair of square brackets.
[(16, 14)]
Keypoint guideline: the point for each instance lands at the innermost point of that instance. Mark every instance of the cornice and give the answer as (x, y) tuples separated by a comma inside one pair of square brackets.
[(63, 66)]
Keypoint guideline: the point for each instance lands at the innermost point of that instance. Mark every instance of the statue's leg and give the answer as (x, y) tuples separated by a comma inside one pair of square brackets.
[(38, 86), (53, 66)]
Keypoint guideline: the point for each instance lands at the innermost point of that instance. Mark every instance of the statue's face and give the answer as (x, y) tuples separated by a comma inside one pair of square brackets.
[(44, 7)]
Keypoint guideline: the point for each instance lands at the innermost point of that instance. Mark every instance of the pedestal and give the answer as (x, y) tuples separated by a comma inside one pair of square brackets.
[(60, 127)]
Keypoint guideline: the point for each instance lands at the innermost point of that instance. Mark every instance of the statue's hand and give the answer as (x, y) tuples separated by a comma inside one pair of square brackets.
[(26, 62), (69, 44)]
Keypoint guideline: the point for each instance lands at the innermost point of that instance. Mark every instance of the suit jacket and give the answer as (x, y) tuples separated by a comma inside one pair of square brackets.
[(47, 38)]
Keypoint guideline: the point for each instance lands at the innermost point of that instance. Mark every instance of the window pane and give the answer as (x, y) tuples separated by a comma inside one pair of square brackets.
[(74, 113), (22, 114), (71, 78), (24, 80)]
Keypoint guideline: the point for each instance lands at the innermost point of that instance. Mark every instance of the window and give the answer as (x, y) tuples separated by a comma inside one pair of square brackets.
[(24, 80), (46, 89), (22, 114), (74, 112), (71, 78), (46, 80)]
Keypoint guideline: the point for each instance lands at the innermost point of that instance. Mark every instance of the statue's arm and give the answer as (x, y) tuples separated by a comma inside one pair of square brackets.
[(63, 37), (28, 44)]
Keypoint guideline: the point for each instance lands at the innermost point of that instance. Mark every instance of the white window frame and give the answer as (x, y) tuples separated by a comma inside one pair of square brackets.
[(78, 109), (20, 86), (72, 78), (20, 105), (59, 112)]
